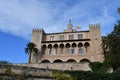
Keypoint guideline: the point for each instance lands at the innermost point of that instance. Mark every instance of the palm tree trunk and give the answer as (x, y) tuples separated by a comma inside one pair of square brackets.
[(29, 58)]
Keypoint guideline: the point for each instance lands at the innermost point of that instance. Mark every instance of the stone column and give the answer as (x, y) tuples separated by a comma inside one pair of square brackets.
[(76, 50)]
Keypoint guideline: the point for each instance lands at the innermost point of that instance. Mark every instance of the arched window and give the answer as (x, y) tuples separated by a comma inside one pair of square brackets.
[(61, 48), (73, 48), (80, 48), (50, 49), (68, 48), (55, 48), (44, 49), (87, 46)]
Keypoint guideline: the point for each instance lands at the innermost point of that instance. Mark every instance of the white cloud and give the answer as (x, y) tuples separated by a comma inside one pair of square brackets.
[(19, 17), (104, 19)]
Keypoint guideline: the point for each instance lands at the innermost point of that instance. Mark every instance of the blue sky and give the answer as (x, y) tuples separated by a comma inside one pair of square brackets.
[(19, 17)]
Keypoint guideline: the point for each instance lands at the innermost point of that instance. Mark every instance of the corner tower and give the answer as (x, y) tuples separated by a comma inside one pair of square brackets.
[(96, 41), (37, 38)]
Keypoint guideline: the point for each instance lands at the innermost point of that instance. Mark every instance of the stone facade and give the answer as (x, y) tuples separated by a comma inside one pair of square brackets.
[(68, 46)]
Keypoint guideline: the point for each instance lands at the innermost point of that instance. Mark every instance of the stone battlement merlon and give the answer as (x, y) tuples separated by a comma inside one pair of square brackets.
[(37, 30), (94, 25)]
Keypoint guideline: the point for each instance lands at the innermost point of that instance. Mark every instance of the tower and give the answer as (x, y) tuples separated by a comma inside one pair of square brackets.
[(37, 38), (69, 27), (96, 42)]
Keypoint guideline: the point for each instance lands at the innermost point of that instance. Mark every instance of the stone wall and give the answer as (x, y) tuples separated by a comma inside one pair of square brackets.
[(60, 66), (43, 71), (31, 72)]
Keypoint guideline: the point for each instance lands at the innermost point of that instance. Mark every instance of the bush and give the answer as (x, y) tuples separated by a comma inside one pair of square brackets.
[(95, 66), (8, 70), (87, 75), (61, 76)]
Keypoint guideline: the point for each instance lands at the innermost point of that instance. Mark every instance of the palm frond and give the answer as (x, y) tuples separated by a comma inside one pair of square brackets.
[(31, 47)]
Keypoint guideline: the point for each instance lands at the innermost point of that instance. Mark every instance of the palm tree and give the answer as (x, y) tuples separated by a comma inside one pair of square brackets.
[(31, 49)]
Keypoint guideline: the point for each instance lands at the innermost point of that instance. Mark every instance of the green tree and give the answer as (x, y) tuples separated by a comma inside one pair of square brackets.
[(31, 48), (113, 41), (4, 62), (95, 66), (111, 47), (58, 75)]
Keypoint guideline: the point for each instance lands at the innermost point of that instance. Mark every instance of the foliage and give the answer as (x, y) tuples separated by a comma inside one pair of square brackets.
[(9, 75), (31, 48), (69, 75), (87, 75), (8, 70), (112, 58), (61, 76), (95, 66), (78, 75), (4, 62), (23, 76)]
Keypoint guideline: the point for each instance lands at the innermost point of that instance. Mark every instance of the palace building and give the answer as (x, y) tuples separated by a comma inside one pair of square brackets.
[(68, 46)]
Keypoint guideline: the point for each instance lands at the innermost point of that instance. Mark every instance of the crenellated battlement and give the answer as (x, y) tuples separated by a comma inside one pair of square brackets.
[(37, 30), (94, 25)]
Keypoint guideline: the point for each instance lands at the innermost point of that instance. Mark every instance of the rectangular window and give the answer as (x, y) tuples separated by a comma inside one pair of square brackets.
[(61, 37), (81, 51), (70, 50), (80, 36), (71, 37), (51, 38), (51, 51)]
